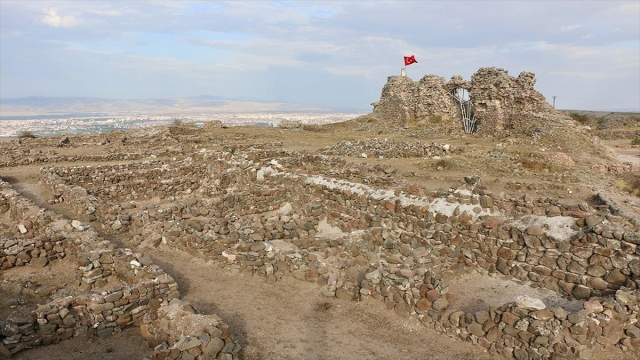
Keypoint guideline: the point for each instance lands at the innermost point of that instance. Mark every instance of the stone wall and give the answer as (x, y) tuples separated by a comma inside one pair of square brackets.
[(27, 234), (125, 288), (28, 151), (388, 148), (269, 221), (499, 99), (179, 332)]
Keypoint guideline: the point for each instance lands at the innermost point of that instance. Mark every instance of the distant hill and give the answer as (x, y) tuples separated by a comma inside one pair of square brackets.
[(45, 105)]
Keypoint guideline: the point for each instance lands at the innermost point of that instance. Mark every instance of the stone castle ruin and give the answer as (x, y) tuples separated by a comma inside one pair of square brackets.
[(492, 101)]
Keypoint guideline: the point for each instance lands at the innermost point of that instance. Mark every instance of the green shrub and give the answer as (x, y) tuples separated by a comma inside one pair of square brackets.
[(581, 118), (26, 134), (177, 122), (635, 141)]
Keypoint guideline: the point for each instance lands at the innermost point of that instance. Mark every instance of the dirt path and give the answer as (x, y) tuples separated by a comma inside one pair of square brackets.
[(291, 319), (623, 151)]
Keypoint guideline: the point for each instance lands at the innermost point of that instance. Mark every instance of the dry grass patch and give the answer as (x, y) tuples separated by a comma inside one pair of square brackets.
[(629, 183), (445, 164), (315, 128), (536, 166), (322, 306)]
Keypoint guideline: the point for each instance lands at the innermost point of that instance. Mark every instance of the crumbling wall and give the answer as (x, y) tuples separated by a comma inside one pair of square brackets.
[(499, 99), (179, 332), (397, 103), (434, 99)]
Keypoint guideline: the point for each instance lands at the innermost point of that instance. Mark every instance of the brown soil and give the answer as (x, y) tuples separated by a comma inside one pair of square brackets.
[(123, 345), (293, 320), (625, 152), (22, 288)]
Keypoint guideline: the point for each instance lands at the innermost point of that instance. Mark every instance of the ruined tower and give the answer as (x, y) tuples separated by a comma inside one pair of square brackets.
[(493, 99)]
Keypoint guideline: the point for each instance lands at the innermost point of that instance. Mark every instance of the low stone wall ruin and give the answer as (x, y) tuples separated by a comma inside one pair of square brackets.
[(126, 288), (250, 212)]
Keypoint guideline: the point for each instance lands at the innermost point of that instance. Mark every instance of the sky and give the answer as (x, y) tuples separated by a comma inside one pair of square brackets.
[(334, 54)]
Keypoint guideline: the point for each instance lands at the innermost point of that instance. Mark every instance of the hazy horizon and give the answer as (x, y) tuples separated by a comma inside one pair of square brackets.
[(299, 107), (329, 54)]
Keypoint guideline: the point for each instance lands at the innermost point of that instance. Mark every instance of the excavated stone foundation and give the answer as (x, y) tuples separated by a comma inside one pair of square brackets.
[(436, 256)]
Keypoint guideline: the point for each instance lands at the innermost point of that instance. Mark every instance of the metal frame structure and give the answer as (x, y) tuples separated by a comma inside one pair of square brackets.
[(466, 108)]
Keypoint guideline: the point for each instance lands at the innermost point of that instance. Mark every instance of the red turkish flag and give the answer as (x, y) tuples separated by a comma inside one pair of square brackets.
[(408, 60)]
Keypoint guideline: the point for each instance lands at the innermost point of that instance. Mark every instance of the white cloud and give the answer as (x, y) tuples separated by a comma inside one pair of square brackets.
[(52, 18), (570, 27), (105, 12)]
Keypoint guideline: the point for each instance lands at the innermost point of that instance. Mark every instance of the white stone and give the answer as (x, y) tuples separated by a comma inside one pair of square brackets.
[(275, 163), (529, 303), (117, 225), (23, 230), (77, 225), (260, 175), (374, 276), (230, 257), (624, 298)]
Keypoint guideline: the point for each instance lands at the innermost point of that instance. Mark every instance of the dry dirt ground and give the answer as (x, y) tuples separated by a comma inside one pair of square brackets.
[(291, 319), (624, 150)]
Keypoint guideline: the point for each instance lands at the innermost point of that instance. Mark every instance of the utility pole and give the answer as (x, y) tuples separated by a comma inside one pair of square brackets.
[(554, 101)]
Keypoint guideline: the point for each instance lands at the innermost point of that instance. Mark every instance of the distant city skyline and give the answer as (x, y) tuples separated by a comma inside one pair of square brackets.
[(330, 54)]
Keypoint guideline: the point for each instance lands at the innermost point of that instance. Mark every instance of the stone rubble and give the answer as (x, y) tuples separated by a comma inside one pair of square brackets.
[(387, 148), (122, 288), (616, 168)]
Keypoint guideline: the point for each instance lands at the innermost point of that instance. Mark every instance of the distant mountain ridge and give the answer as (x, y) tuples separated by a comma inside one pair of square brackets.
[(48, 105)]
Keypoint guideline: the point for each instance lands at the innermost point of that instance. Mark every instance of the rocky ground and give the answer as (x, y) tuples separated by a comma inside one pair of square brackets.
[(273, 314)]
